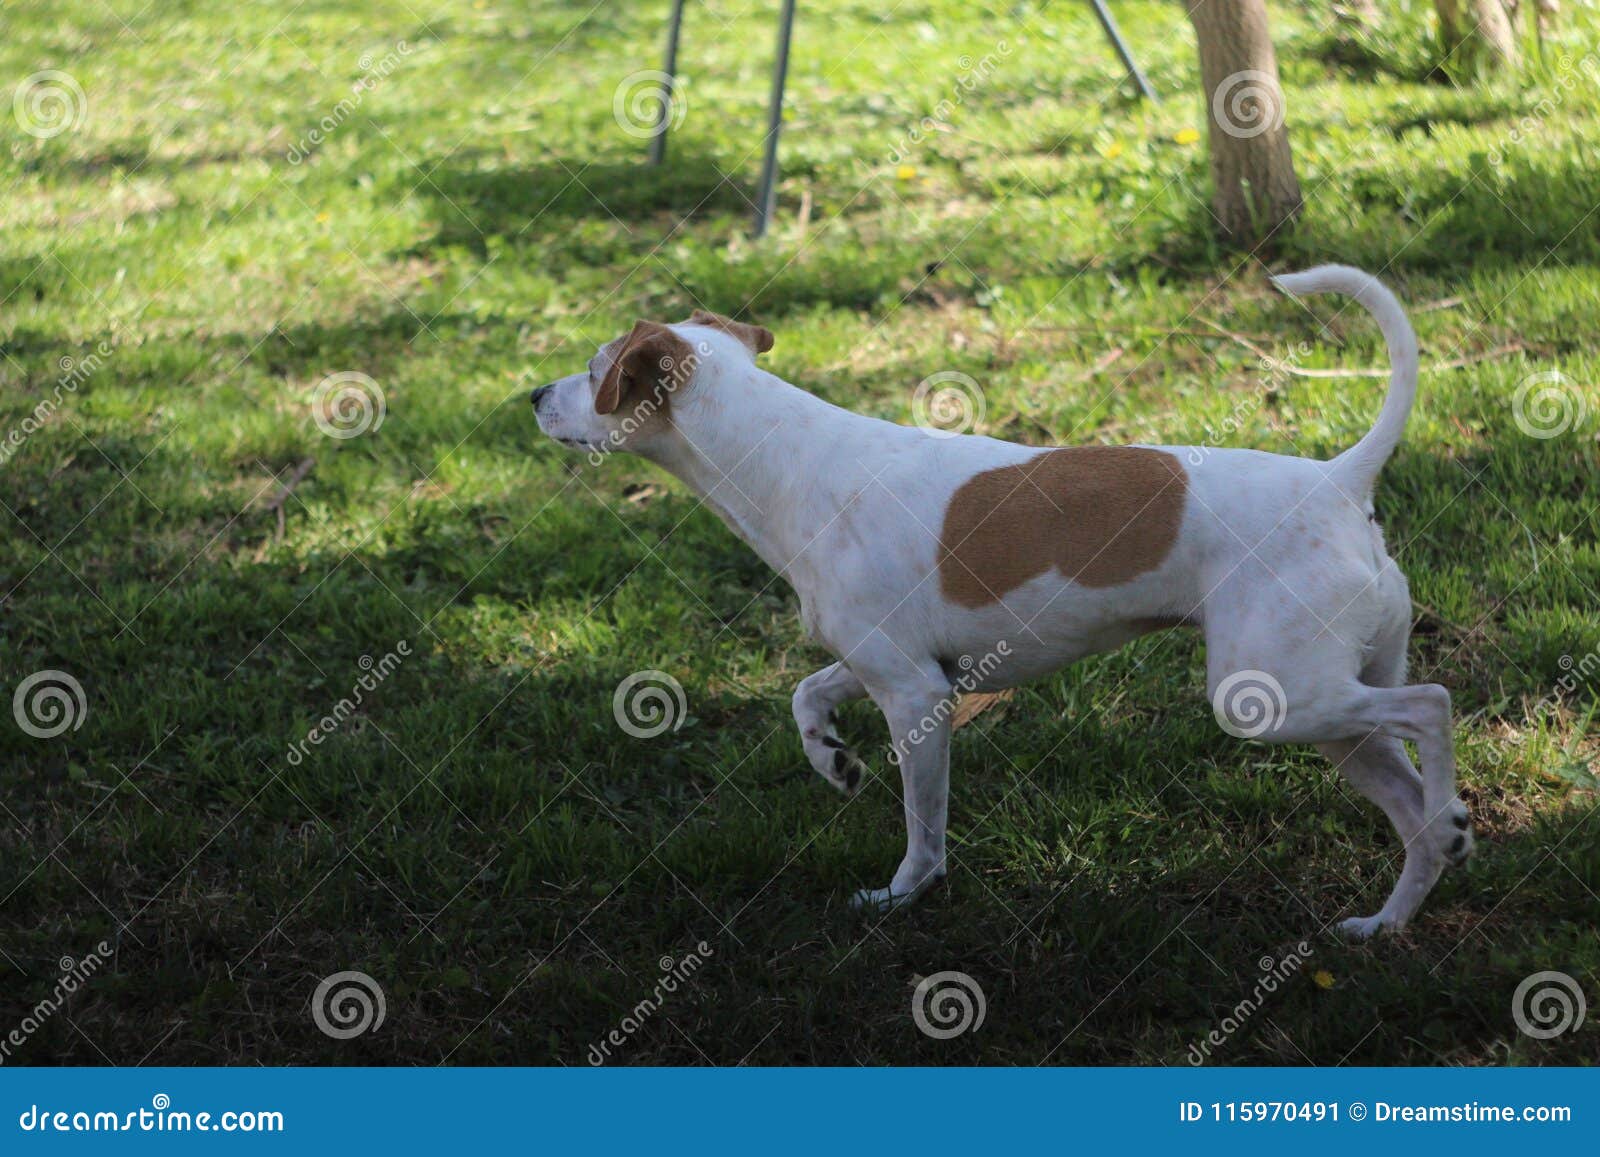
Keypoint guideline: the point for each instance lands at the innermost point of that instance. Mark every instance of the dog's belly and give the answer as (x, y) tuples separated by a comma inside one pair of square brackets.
[(990, 654)]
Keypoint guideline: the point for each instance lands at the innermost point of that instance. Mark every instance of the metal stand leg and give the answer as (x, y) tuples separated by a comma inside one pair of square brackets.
[(658, 143), (766, 191), (1123, 54)]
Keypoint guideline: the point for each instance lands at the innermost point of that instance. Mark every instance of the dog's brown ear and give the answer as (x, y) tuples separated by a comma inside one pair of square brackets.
[(652, 360), (757, 338)]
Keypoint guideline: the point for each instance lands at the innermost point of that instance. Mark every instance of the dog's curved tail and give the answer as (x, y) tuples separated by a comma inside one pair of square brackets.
[(1357, 468)]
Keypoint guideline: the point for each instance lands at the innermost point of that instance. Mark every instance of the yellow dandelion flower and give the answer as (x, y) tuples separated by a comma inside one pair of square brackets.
[(1112, 151), (905, 172), (1322, 978), (1187, 136)]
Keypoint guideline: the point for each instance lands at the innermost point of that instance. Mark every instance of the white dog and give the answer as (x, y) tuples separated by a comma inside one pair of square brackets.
[(930, 564)]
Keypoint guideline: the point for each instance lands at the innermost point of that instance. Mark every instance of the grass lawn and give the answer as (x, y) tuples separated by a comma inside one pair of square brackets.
[(478, 835)]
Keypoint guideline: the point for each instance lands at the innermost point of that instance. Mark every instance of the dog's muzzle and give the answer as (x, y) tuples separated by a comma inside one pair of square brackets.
[(539, 393)]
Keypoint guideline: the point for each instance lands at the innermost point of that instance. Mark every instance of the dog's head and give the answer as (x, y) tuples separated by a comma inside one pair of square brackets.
[(625, 399)]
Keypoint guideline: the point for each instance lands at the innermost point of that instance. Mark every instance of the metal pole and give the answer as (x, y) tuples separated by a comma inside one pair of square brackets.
[(766, 191), (658, 143), (1123, 54)]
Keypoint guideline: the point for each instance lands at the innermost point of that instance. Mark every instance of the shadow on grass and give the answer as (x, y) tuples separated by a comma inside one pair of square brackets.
[(477, 202), (483, 802)]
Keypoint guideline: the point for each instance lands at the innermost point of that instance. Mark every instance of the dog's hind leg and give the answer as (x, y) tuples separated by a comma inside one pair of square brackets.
[(1362, 729), (815, 700), (1377, 767)]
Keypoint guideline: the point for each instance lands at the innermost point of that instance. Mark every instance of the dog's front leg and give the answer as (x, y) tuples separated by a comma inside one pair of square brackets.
[(919, 729), (814, 703)]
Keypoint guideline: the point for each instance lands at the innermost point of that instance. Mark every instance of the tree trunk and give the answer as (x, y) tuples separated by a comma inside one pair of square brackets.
[(1476, 35), (1256, 193)]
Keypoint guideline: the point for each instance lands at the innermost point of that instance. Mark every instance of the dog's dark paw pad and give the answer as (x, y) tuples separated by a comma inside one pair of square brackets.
[(839, 765)]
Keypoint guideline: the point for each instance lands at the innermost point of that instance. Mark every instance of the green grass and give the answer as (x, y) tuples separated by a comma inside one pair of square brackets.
[(480, 837)]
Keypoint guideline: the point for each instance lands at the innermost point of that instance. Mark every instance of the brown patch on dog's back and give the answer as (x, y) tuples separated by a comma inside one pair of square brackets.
[(1101, 515)]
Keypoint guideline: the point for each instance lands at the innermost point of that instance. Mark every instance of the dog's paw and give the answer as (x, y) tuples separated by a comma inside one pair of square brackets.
[(837, 764), (879, 901), (882, 901), (1366, 927), (1451, 834)]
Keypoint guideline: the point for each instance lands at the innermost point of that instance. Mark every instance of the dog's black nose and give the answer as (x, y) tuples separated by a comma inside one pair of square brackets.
[(537, 394)]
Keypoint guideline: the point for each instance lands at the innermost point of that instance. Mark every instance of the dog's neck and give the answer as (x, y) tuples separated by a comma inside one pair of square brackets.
[(776, 463)]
